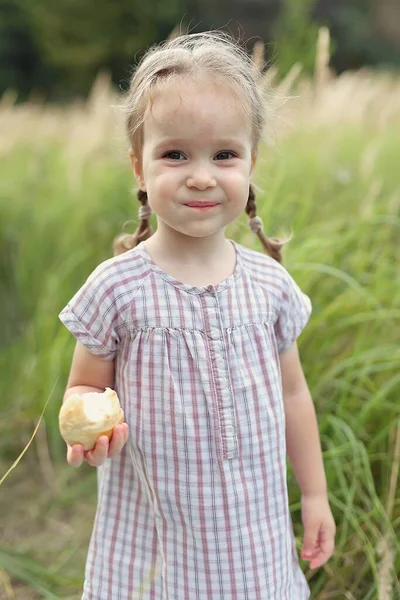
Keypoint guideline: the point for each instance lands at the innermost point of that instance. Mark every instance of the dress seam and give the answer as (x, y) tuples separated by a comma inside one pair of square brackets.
[(129, 304), (133, 329)]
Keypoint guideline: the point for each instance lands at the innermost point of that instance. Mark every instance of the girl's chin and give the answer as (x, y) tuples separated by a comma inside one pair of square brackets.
[(197, 228), (201, 232)]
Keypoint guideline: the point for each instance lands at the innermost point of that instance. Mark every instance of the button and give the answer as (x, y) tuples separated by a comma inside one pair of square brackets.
[(230, 430)]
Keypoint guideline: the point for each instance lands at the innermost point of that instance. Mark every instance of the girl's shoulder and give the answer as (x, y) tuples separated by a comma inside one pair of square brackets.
[(263, 269), (128, 270), (97, 313), (271, 276), (290, 306)]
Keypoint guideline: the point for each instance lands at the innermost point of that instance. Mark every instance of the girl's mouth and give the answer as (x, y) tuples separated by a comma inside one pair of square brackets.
[(201, 205)]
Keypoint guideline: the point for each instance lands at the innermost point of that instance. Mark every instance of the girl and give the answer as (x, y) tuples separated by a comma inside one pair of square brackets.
[(197, 334)]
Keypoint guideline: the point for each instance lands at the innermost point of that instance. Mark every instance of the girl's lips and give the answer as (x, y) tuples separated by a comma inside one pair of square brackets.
[(201, 205)]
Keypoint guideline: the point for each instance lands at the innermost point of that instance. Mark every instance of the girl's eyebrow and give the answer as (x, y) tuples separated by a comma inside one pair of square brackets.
[(169, 142), (231, 143), (225, 143)]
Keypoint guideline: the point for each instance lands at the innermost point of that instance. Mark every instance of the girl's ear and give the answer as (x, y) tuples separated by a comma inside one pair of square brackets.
[(137, 169)]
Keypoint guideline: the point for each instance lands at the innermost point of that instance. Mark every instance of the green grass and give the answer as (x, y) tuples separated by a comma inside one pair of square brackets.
[(337, 189)]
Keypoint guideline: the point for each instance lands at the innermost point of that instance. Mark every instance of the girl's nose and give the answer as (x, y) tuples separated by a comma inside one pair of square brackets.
[(201, 179)]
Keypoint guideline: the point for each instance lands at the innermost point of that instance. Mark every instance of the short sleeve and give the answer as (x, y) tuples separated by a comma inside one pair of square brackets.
[(92, 315), (293, 313)]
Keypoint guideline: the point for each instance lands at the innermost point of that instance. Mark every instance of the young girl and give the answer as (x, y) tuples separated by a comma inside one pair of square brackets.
[(197, 334)]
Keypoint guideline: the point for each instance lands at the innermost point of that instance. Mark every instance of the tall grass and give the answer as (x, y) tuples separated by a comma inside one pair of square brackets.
[(329, 172)]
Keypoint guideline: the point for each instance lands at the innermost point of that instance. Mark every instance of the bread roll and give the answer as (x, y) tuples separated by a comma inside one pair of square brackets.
[(85, 418)]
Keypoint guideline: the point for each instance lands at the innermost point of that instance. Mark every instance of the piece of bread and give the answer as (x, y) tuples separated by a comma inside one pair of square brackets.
[(85, 418)]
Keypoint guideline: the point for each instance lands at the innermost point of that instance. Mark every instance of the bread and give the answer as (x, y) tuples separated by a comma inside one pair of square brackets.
[(82, 419)]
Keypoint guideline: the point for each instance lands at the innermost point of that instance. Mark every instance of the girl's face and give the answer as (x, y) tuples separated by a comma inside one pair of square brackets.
[(196, 149)]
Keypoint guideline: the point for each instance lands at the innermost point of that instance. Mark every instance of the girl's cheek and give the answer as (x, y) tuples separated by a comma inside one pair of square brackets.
[(163, 170), (239, 179)]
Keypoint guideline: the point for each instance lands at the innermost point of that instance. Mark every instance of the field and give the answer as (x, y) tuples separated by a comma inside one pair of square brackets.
[(329, 172)]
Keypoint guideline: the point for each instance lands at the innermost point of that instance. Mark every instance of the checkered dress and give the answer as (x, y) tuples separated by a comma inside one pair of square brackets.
[(195, 507)]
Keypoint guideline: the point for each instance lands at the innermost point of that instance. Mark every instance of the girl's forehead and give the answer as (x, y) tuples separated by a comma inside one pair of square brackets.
[(210, 107)]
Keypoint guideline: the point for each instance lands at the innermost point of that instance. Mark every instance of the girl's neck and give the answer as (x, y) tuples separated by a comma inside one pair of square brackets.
[(197, 262), (190, 251)]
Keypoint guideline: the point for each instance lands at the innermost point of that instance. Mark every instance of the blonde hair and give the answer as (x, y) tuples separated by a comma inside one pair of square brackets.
[(196, 55)]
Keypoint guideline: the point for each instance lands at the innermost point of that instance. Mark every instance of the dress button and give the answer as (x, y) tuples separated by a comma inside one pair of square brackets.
[(230, 430)]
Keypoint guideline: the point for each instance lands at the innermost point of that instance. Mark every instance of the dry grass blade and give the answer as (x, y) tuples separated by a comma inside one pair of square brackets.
[(269, 77), (385, 546), (15, 463), (43, 452), (321, 73), (258, 54), (258, 59), (284, 87), (385, 568), (176, 32), (394, 475), (6, 589)]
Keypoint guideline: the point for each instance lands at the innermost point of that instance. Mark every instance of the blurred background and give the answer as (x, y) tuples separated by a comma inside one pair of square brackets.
[(328, 171), (54, 50)]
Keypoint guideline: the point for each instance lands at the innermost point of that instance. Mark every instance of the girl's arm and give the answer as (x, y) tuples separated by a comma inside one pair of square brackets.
[(302, 436), (89, 373), (304, 451)]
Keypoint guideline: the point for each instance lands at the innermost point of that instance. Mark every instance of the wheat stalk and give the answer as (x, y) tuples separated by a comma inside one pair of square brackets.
[(5, 586), (322, 57), (385, 546)]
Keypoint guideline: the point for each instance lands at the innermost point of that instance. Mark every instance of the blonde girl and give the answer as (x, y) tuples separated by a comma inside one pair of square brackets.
[(197, 334)]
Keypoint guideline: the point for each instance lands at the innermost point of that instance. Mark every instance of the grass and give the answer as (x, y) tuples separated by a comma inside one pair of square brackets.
[(332, 178)]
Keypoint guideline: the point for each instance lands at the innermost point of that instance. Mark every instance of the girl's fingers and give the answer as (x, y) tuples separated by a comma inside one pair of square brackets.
[(126, 428), (118, 440), (326, 549), (323, 554), (75, 455), (318, 562), (103, 449), (98, 455)]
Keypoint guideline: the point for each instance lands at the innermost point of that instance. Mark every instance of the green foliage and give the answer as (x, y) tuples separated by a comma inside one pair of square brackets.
[(364, 32), (55, 49), (60, 212), (295, 36), (19, 57), (74, 40)]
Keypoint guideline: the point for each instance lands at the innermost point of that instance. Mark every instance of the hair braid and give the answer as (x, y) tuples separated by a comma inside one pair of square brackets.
[(272, 246), (127, 241)]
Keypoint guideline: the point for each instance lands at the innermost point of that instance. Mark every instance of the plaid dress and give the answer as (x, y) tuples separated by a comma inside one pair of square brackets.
[(195, 507)]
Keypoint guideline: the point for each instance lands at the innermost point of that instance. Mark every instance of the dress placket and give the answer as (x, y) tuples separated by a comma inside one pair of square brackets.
[(224, 402)]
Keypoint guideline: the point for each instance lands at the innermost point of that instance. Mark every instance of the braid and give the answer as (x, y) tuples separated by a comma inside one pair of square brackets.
[(127, 241), (272, 246)]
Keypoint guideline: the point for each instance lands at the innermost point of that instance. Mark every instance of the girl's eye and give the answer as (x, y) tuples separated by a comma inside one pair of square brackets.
[(174, 155), (225, 155)]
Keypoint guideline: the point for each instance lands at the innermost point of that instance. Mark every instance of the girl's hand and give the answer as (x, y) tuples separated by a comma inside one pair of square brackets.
[(319, 530), (103, 449)]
